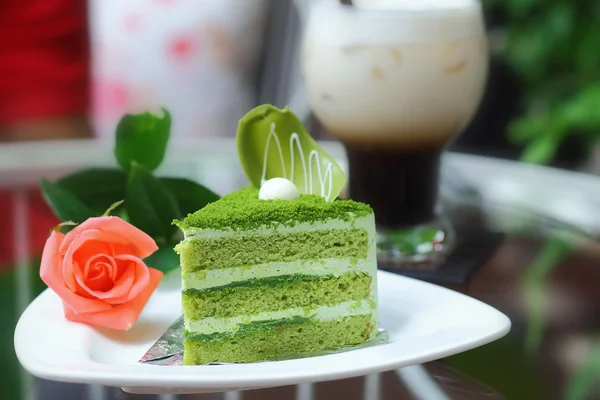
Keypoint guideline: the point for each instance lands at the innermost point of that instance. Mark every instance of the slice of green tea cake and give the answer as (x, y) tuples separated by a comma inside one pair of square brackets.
[(281, 267), (268, 278)]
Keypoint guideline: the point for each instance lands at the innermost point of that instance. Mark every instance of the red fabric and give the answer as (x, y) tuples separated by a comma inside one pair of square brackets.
[(44, 72), (44, 59), (41, 221)]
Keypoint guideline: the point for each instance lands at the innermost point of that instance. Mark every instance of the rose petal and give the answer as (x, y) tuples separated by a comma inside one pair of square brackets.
[(68, 264), (103, 281), (123, 316), (81, 246), (90, 249), (142, 244), (75, 241), (99, 267), (51, 274), (121, 290), (118, 249), (141, 278), (98, 277), (121, 265)]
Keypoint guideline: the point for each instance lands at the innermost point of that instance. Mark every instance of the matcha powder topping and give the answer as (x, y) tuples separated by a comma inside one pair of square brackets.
[(242, 210)]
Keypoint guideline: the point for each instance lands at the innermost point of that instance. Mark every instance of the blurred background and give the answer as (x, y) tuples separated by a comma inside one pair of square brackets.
[(69, 69), (72, 68)]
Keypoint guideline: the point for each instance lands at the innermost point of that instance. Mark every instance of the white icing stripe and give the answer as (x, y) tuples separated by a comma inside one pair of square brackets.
[(328, 266), (308, 183), (366, 222), (324, 313)]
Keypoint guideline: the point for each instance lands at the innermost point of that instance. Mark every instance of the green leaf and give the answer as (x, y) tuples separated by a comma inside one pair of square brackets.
[(524, 129), (541, 150), (535, 286), (587, 54), (258, 133), (519, 8), (122, 213), (527, 49), (560, 19), (113, 207), (150, 205), (70, 224), (97, 188), (190, 195), (142, 138), (164, 259), (583, 111), (65, 205), (587, 376)]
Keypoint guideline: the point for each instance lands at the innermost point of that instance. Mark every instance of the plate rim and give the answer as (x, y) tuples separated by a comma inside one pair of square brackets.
[(139, 376)]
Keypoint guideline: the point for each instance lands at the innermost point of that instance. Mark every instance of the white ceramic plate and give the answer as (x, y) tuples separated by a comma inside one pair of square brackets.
[(425, 322)]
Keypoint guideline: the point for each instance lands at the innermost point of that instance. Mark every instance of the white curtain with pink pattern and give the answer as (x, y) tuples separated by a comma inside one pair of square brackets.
[(200, 59)]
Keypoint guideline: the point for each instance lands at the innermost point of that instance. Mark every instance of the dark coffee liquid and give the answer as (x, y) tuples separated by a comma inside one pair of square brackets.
[(400, 184)]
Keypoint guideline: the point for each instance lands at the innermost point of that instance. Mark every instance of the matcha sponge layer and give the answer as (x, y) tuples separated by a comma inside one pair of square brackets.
[(279, 340), (276, 293), (242, 210), (231, 252)]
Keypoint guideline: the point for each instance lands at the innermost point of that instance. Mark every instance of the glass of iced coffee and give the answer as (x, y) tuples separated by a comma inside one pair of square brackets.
[(395, 81)]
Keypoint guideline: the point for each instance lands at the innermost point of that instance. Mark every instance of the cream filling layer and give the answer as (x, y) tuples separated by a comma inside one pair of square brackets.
[(329, 266), (213, 278), (323, 313), (366, 222)]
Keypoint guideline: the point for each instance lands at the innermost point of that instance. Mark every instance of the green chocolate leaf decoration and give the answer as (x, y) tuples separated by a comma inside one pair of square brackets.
[(65, 205), (142, 138), (273, 143), (149, 204), (190, 196)]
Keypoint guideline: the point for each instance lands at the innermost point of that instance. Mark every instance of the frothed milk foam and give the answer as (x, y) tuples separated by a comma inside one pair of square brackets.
[(401, 72)]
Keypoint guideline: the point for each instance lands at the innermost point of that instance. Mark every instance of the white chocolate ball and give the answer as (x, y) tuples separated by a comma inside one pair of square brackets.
[(278, 189)]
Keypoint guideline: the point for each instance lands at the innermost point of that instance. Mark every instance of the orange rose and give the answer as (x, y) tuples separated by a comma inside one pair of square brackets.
[(98, 272)]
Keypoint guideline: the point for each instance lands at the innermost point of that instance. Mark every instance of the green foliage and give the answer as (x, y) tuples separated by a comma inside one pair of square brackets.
[(164, 259), (586, 377), (535, 286), (190, 196), (143, 139), (150, 203), (64, 203), (553, 47), (13, 379), (96, 187), (112, 208)]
